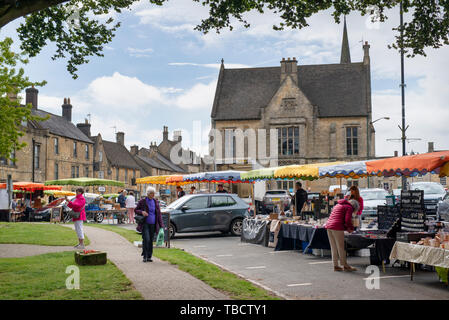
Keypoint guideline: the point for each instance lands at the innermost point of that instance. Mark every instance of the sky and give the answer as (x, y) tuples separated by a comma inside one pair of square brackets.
[(158, 71)]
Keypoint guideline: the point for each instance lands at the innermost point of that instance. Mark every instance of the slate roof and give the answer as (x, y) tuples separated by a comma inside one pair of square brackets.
[(338, 90), (160, 162), (119, 156), (58, 125)]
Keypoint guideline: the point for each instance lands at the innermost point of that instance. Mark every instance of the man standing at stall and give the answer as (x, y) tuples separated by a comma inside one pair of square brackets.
[(300, 198), (122, 201)]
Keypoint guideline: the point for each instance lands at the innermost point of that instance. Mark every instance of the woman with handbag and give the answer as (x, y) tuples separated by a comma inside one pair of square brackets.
[(78, 215), (149, 218)]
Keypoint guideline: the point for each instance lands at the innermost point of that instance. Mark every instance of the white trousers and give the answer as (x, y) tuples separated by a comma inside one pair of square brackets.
[(79, 229)]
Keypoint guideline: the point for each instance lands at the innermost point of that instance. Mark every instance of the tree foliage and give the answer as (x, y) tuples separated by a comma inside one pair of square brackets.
[(12, 115), (53, 21)]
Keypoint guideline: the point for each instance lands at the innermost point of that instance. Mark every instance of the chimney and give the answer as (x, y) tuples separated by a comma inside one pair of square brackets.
[(366, 47), (430, 147), (395, 153), (153, 147), (31, 96), (84, 127), (289, 67), (67, 110), (134, 150), (165, 133), (120, 138)]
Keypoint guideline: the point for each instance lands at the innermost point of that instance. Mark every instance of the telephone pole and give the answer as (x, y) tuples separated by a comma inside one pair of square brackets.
[(403, 128)]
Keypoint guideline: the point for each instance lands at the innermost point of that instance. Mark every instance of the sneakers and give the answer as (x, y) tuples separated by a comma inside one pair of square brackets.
[(80, 246)]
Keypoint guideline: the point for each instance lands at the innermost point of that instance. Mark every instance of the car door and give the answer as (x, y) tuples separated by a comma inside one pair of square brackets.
[(220, 215), (195, 215)]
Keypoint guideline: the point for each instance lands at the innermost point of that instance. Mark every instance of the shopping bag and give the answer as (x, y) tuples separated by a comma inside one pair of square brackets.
[(160, 238)]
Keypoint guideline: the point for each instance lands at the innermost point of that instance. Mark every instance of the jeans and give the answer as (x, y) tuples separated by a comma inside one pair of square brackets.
[(147, 240)]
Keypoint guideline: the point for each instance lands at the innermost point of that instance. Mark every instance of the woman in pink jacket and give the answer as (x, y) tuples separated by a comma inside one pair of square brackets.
[(340, 221), (78, 205)]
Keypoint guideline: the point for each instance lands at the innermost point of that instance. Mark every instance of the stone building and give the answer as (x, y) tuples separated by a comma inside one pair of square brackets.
[(311, 113), (57, 148)]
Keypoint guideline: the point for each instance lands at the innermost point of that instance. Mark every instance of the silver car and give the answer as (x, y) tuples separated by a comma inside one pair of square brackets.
[(371, 199)]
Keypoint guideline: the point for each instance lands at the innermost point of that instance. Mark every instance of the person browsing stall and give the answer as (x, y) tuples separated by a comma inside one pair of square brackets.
[(150, 209), (300, 198), (77, 205), (221, 189)]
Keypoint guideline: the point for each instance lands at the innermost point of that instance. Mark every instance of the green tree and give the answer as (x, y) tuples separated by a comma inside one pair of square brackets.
[(54, 20), (12, 115)]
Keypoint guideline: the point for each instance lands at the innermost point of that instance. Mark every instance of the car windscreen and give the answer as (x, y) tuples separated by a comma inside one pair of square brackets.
[(278, 192), (176, 203), (428, 188), (373, 195)]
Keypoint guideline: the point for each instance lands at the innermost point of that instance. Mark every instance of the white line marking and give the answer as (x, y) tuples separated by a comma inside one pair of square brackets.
[(299, 284), (321, 262), (281, 251), (244, 244), (260, 267), (386, 277), (224, 255), (199, 246)]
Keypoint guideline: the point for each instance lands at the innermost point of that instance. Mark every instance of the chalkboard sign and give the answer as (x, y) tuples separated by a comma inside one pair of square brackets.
[(387, 216), (413, 220), (55, 215), (412, 199)]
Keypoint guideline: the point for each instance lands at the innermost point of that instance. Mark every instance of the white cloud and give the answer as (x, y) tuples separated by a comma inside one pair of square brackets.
[(200, 96), (139, 53), (210, 65)]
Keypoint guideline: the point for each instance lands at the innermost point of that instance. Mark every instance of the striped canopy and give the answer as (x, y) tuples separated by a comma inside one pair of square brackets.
[(303, 172), (153, 180), (194, 177), (30, 186), (259, 174), (354, 170), (85, 182)]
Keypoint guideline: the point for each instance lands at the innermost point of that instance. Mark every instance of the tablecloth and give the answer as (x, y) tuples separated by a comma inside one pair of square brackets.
[(255, 231), (431, 256), (291, 237)]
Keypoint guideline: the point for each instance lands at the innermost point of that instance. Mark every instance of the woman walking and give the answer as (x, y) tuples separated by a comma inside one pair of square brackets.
[(130, 203), (340, 221), (149, 208), (77, 205)]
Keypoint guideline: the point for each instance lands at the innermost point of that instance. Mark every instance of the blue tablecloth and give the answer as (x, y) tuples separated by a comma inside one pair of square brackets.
[(291, 236)]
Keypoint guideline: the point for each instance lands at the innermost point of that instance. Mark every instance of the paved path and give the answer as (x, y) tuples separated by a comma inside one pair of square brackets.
[(157, 280), (25, 250)]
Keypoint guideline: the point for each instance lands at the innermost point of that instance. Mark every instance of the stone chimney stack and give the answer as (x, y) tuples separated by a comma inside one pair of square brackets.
[(134, 150), (165, 133), (120, 138), (31, 96), (366, 47), (67, 110), (84, 127), (430, 147), (289, 68), (153, 147)]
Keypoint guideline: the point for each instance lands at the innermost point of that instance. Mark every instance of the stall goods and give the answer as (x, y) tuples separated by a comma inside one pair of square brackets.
[(441, 240)]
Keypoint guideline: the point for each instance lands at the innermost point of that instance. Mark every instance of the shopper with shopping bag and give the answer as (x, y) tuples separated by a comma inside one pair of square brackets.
[(149, 208)]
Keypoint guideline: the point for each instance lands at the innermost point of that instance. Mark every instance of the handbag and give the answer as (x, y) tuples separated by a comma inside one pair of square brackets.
[(139, 219), (76, 215)]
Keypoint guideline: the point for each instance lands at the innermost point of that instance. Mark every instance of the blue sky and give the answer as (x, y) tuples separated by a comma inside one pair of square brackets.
[(159, 71)]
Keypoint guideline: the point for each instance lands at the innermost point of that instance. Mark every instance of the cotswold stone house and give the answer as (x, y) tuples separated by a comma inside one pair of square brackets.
[(320, 113)]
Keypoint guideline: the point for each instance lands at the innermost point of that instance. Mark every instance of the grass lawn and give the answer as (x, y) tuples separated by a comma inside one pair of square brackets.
[(224, 281), (40, 233), (43, 277)]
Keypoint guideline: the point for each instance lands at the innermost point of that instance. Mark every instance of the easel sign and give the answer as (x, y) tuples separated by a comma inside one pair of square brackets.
[(56, 215)]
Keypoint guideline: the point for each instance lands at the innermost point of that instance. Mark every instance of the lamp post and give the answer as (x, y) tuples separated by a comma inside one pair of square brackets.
[(368, 136)]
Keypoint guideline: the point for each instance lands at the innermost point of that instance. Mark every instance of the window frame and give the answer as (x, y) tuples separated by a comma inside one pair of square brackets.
[(195, 198)]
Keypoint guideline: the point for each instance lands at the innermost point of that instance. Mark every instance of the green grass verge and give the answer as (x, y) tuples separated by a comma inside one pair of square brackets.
[(227, 282), (43, 277), (44, 234)]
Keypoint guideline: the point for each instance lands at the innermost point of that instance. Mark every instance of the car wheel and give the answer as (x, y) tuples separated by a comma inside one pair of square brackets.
[(99, 217), (237, 227), (172, 231)]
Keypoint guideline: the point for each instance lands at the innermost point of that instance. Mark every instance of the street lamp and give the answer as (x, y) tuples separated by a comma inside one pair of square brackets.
[(368, 136)]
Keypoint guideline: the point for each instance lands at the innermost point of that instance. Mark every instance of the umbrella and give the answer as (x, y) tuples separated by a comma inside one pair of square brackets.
[(303, 172), (85, 182), (433, 162), (30, 186), (153, 180), (354, 170)]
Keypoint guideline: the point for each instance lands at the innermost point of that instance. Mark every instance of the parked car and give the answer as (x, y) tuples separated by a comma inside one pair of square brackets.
[(433, 193), (371, 199), (397, 194), (271, 197), (443, 209), (207, 212), (44, 213)]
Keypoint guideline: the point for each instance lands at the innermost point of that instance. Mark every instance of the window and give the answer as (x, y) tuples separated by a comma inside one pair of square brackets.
[(126, 175), (3, 161), (87, 152), (77, 171), (351, 183), (37, 152), (73, 172), (351, 141), (286, 185), (101, 174), (443, 181), (12, 156), (56, 171), (221, 201), (75, 151), (197, 203), (86, 171), (117, 173), (56, 142), (288, 140), (100, 156), (134, 173)]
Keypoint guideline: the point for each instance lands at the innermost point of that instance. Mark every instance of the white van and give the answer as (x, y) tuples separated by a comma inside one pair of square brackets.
[(344, 188)]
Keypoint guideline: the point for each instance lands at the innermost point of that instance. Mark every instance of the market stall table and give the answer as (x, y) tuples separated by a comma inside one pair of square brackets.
[(292, 236), (414, 253)]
